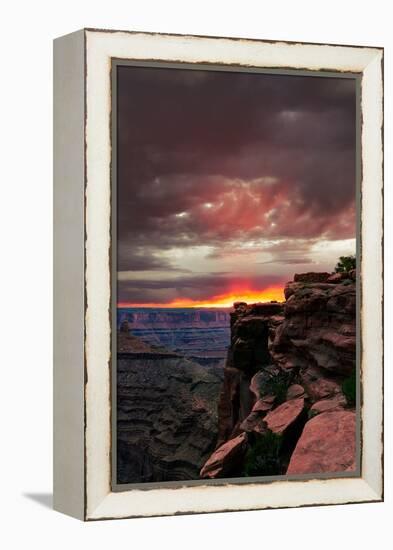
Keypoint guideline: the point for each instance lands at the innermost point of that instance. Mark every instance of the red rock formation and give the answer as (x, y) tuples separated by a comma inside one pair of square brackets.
[(317, 385), (296, 390), (327, 444), (319, 329), (226, 458), (264, 404), (286, 360), (281, 418), (311, 277), (228, 404), (335, 403), (251, 329)]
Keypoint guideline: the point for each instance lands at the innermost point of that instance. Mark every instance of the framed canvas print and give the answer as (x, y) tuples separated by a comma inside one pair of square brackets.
[(218, 274)]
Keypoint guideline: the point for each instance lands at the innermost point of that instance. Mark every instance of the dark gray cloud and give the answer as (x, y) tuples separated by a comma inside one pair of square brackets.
[(142, 259), (216, 158)]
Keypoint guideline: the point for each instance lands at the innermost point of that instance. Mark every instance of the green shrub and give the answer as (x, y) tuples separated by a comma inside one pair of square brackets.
[(345, 264), (278, 385), (263, 457), (349, 388)]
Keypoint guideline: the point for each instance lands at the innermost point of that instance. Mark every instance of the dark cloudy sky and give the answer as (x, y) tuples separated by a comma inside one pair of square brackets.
[(230, 180)]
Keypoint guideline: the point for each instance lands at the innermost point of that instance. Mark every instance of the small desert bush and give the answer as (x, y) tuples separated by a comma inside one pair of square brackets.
[(263, 457), (278, 385), (349, 388), (345, 264)]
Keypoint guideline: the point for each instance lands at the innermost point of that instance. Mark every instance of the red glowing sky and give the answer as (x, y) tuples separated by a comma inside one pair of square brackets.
[(220, 300)]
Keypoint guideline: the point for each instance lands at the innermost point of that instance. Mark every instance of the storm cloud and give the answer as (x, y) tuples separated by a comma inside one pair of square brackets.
[(230, 163)]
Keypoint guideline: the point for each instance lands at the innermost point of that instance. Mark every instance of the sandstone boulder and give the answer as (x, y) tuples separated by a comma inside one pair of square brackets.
[(332, 404), (280, 419), (295, 390), (226, 459), (327, 444), (264, 404)]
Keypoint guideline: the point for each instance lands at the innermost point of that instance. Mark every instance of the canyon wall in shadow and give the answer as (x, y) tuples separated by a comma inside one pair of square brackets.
[(167, 418)]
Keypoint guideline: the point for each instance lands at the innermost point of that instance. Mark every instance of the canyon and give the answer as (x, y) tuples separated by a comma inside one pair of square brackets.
[(279, 398), (202, 335), (167, 418)]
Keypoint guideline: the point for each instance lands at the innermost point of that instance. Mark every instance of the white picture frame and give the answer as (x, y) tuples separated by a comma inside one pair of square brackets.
[(82, 245)]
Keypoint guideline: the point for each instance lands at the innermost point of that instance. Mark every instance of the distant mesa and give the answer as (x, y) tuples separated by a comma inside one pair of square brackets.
[(198, 334)]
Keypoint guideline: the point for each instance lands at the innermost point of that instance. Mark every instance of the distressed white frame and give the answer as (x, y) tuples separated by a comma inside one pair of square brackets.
[(100, 48)]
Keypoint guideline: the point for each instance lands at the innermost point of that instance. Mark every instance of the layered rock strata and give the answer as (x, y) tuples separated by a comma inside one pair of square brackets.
[(166, 414)]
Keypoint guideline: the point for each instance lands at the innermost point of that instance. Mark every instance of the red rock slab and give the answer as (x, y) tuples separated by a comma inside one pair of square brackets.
[(254, 423), (296, 390), (320, 388), (226, 458), (264, 404), (336, 402), (279, 419), (327, 444)]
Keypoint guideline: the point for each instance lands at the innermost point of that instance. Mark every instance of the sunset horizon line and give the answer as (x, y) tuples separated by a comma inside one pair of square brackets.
[(226, 300)]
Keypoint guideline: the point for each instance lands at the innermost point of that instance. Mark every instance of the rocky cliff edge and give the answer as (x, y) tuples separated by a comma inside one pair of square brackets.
[(287, 404)]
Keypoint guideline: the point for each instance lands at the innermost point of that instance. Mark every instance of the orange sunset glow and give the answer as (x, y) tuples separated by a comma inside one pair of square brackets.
[(221, 300)]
